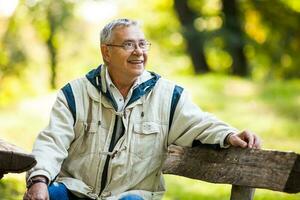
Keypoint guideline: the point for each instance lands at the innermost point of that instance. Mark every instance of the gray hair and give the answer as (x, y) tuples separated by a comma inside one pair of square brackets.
[(106, 33)]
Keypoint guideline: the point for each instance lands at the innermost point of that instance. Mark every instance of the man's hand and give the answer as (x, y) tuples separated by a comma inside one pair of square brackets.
[(38, 191), (244, 139)]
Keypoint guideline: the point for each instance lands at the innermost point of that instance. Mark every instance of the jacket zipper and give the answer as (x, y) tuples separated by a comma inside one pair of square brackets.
[(107, 161), (112, 156)]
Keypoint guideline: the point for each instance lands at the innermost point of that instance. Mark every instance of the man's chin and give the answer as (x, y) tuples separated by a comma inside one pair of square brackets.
[(139, 68), (140, 72)]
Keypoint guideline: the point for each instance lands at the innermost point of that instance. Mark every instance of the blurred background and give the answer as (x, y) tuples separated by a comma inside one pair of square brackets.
[(239, 59)]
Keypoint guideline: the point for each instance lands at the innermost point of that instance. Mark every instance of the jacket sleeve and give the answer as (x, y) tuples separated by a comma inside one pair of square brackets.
[(51, 145), (191, 123)]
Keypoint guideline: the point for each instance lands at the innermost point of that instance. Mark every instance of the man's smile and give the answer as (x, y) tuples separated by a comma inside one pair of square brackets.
[(136, 61)]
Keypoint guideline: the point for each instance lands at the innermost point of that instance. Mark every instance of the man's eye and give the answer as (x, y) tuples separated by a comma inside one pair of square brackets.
[(129, 44), (142, 44)]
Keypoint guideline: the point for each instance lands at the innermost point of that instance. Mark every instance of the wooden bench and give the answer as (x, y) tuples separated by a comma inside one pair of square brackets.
[(244, 169), (13, 159)]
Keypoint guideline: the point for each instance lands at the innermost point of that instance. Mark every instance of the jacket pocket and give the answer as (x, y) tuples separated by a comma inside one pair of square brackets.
[(90, 128), (145, 137), (87, 139)]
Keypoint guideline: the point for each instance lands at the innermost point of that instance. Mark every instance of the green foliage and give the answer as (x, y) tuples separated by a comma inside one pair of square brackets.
[(277, 37), (13, 56), (50, 19), (11, 189), (271, 32), (51, 33)]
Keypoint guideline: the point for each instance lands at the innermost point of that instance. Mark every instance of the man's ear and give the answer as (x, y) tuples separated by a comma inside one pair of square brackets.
[(105, 51)]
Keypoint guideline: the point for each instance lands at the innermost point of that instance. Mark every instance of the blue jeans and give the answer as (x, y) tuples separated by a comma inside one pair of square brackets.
[(58, 191), (131, 197)]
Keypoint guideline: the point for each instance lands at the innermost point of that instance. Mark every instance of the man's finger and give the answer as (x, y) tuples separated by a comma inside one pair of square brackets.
[(256, 142), (249, 138), (241, 143), (236, 141)]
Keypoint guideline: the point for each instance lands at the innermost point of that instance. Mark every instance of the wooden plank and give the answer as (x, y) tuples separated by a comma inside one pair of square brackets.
[(241, 193), (254, 168), (293, 182), (14, 159)]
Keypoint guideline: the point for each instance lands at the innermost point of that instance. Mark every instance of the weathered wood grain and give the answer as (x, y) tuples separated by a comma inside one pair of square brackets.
[(293, 182), (241, 193), (254, 168), (14, 159)]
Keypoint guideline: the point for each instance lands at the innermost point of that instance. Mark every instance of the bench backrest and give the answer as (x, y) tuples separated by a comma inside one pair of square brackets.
[(242, 168)]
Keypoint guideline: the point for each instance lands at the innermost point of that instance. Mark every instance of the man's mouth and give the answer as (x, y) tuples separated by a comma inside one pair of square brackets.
[(136, 61)]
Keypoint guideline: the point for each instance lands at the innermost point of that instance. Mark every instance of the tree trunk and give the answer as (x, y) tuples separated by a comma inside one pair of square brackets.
[(234, 37), (52, 49), (53, 62), (195, 39)]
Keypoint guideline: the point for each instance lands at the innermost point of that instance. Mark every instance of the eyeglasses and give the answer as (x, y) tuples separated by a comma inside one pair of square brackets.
[(131, 46)]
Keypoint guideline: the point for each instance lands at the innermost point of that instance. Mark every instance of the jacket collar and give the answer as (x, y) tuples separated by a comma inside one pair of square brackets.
[(97, 78)]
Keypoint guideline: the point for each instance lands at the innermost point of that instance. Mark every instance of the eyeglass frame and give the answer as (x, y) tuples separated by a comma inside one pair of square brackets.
[(148, 45)]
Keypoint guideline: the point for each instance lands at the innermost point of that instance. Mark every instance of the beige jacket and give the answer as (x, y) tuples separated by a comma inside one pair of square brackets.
[(74, 147)]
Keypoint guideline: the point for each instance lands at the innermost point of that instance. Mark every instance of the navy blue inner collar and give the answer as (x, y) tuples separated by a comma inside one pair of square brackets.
[(137, 93)]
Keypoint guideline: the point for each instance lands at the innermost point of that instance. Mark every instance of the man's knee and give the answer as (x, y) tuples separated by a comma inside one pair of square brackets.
[(131, 197), (58, 191)]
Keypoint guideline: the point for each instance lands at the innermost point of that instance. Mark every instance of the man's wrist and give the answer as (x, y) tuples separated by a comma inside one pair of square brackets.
[(36, 179)]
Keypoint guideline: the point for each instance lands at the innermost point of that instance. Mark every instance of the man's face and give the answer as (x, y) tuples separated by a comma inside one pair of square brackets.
[(124, 65)]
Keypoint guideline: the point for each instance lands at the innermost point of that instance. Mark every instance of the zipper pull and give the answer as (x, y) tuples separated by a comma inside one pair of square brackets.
[(125, 114), (114, 154)]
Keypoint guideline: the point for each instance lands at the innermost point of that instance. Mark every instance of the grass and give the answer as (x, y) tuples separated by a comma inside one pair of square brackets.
[(180, 188), (270, 109)]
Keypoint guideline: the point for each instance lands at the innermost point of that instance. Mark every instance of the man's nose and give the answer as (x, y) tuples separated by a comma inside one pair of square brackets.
[(137, 50)]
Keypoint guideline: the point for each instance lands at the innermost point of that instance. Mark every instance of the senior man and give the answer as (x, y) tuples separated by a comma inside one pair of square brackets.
[(109, 131)]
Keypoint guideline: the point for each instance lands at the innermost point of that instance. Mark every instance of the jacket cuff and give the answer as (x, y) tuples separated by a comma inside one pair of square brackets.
[(223, 142), (39, 173)]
